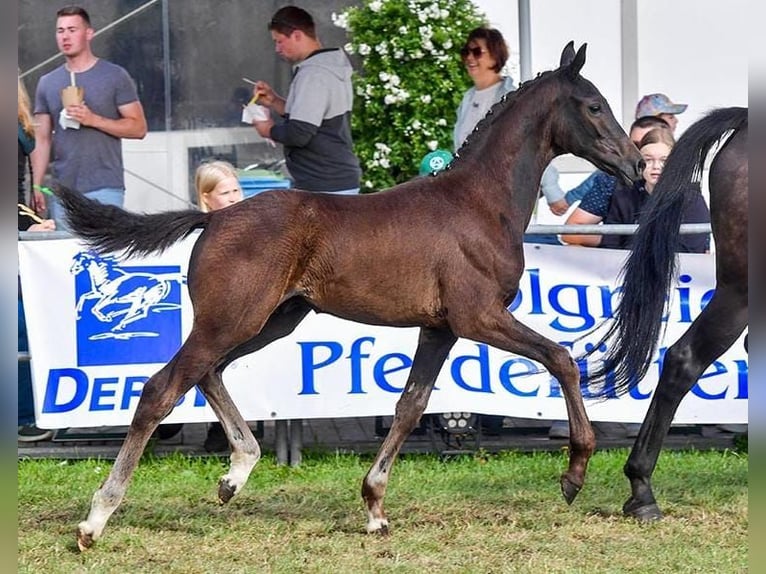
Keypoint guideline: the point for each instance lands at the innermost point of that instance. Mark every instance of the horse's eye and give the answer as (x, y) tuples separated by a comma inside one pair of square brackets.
[(594, 108)]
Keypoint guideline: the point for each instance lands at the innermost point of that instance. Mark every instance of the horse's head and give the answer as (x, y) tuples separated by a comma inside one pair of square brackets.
[(83, 260), (585, 125), (80, 262)]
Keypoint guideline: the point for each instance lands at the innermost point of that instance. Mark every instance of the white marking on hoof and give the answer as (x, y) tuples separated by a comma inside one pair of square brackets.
[(377, 525), (241, 465), (86, 536)]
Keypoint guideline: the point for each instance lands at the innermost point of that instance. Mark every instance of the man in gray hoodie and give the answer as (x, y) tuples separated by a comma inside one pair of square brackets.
[(316, 126)]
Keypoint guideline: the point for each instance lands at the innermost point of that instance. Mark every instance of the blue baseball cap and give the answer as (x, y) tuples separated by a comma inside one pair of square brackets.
[(435, 161), (656, 104)]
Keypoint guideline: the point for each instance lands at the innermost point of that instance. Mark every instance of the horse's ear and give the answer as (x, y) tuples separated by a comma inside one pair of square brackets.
[(567, 55), (577, 63)]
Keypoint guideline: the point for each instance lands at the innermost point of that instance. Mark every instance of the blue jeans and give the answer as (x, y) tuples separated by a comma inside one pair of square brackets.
[(107, 195), (26, 401)]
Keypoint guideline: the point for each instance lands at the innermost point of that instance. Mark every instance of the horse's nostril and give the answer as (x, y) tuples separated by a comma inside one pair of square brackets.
[(640, 165)]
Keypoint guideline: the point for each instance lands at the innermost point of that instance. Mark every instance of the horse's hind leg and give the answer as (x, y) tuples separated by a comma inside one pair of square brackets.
[(715, 330), (502, 330), (158, 397), (433, 348), (245, 451)]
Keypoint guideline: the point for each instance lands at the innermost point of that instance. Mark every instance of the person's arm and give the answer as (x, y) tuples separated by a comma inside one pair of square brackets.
[(459, 119), (39, 158), (595, 179), (292, 133), (552, 191), (311, 95), (130, 125), (581, 217)]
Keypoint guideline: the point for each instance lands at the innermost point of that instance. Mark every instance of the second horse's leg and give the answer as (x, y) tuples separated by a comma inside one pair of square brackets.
[(433, 348), (714, 331)]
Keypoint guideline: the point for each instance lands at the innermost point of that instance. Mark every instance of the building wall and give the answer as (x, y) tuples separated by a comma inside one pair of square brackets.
[(695, 51)]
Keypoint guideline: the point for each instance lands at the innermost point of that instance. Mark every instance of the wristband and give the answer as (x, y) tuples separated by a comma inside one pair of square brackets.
[(43, 189)]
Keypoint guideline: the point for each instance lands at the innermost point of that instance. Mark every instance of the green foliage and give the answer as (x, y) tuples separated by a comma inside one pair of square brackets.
[(409, 84)]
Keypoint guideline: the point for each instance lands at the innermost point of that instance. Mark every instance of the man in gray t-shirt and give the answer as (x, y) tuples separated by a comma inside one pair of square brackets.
[(85, 137)]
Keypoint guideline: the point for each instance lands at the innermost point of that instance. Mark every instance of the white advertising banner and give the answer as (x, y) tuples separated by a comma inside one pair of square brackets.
[(100, 326)]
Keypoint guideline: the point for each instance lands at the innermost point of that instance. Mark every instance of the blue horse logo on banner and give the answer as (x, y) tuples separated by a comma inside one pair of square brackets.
[(126, 314)]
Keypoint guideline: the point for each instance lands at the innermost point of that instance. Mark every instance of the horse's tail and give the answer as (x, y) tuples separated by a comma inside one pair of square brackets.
[(109, 229), (648, 273)]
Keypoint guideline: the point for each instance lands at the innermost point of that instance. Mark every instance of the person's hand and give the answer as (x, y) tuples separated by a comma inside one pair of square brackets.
[(264, 94), (81, 113), (559, 207), (264, 128), (46, 225), (38, 202)]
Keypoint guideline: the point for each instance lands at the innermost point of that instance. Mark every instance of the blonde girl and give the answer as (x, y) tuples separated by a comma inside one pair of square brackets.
[(217, 185)]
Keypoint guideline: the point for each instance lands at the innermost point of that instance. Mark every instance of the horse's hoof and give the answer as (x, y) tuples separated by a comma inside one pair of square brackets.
[(226, 490), (84, 537), (569, 489), (378, 526), (642, 512)]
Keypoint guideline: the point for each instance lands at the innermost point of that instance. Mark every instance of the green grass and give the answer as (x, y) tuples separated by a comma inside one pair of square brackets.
[(484, 513)]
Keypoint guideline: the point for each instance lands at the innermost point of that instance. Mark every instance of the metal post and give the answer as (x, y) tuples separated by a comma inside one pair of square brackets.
[(296, 441), (280, 441), (629, 57), (525, 41)]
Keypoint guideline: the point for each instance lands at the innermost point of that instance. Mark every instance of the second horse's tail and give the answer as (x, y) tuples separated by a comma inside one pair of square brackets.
[(649, 271), (110, 229)]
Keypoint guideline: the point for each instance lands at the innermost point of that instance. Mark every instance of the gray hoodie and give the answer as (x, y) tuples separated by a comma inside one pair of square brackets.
[(316, 133)]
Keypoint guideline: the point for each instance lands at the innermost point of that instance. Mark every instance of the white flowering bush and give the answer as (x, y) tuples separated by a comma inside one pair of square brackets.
[(408, 83)]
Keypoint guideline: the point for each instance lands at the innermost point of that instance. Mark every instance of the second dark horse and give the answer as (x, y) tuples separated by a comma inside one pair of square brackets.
[(441, 253), (648, 276)]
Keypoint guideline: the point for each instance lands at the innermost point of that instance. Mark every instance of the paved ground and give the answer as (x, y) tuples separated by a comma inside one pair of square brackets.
[(360, 435)]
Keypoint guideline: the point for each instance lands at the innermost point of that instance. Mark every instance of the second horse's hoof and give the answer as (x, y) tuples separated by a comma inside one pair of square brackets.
[(642, 512)]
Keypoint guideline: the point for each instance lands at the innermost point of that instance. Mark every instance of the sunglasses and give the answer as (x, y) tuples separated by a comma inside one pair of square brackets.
[(476, 52)]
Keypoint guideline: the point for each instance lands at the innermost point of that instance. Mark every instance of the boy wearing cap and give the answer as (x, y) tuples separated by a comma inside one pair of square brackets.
[(659, 105)]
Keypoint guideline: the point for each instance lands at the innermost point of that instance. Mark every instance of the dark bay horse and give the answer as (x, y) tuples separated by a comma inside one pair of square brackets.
[(648, 276), (443, 253)]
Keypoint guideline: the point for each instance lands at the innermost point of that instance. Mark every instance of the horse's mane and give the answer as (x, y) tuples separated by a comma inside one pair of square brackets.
[(482, 127)]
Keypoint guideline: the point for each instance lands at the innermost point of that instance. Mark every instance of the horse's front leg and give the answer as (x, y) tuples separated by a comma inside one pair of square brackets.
[(433, 348), (83, 298), (498, 328), (245, 452)]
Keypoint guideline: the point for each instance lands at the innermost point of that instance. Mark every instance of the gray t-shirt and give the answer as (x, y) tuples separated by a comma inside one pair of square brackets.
[(86, 159)]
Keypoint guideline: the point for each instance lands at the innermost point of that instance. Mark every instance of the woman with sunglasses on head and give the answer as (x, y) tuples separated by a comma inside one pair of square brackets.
[(484, 55)]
